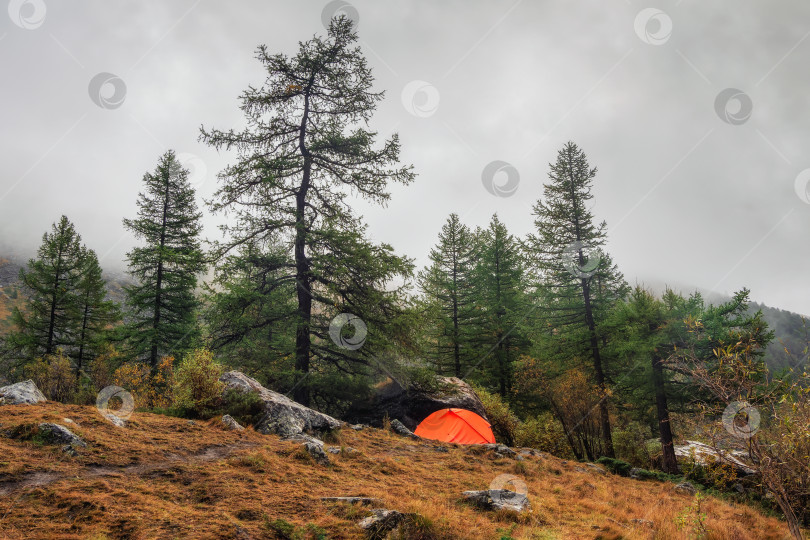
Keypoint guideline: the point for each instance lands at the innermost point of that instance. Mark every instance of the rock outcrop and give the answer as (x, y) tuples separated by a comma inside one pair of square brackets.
[(498, 499), (25, 392), (413, 404), (282, 415), (703, 454)]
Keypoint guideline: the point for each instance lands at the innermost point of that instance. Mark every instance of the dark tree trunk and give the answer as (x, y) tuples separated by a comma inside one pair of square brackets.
[(303, 343), (568, 436), (80, 359), (669, 462), (153, 354), (604, 415), (456, 348), (54, 297), (302, 337)]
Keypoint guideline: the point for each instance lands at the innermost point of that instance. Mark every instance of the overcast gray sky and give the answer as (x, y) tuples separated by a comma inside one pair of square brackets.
[(698, 190)]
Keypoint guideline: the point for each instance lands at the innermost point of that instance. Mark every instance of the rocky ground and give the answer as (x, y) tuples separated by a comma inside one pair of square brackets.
[(163, 477)]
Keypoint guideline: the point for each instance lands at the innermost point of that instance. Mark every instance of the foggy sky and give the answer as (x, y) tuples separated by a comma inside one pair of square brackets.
[(690, 199)]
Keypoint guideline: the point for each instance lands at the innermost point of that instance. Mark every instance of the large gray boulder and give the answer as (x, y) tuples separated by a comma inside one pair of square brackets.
[(498, 499), (282, 415), (412, 404), (25, 392)]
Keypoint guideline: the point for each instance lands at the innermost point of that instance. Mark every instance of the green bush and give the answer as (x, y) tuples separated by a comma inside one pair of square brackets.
[(616, 466), (630, 444), (544, 433), (54, 376), (503, 421), (245, 407), (197, 388)]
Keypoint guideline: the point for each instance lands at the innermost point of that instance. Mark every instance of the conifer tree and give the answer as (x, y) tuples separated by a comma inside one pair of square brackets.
[(305, 148), (162, 304), (499, 293), (50, 281), (570, 262), (448, 285), (95, 314)]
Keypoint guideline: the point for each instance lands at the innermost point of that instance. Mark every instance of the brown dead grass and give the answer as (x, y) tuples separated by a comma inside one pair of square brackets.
[(163, 477)]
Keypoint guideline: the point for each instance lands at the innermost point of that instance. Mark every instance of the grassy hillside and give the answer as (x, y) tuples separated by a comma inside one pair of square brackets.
[(163, 477)]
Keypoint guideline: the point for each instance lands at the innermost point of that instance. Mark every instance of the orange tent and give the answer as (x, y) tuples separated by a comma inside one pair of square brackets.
[(457, 426)]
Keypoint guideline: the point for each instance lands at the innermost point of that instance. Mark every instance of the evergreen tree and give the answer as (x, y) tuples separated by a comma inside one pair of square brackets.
[(248, 311), (448, 286), (305, 148), (575, 275), (499, 293), (95, 314), (50, 282), (162, 303)]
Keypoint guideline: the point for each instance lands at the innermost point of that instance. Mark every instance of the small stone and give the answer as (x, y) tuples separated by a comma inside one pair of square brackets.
[(317, 453), (352, 500), (230, 423), (596, 469), (399, 428), (58, 434), (686, 487), (381, 522), (115, 420)]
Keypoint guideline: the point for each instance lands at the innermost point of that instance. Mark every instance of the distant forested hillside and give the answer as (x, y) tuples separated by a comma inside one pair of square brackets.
[(790, 336)]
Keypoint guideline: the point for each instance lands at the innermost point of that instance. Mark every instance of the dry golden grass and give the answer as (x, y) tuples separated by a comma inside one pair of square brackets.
[(162, 477)]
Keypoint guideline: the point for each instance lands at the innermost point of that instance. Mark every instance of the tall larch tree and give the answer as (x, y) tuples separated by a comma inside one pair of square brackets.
[(568, 253), (448, 286), (305, 150), (162, 303)]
